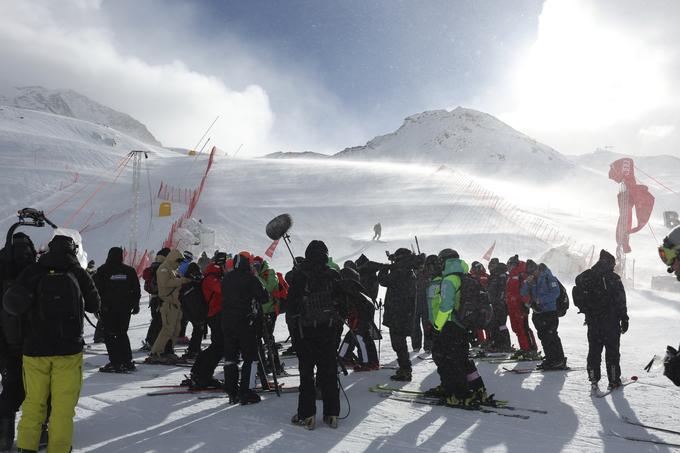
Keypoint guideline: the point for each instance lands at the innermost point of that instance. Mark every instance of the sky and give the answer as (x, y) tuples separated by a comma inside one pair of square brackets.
[(314, 75)]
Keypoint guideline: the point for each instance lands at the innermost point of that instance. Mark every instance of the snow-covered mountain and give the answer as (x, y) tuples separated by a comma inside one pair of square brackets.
[(75, 105), (466, 138)]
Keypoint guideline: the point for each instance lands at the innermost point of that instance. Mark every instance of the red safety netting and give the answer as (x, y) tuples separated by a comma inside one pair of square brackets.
[(140, 262), (196, 195), (174, 194)]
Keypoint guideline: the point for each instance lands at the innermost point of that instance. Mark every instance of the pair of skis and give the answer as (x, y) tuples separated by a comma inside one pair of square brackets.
[(418, 397), (539, 370), (184, 390)]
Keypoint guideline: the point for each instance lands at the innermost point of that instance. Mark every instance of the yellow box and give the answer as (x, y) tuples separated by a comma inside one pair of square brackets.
[(165, 209)]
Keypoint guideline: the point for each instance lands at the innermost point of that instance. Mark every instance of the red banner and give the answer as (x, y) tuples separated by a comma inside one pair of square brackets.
[(272, 248)]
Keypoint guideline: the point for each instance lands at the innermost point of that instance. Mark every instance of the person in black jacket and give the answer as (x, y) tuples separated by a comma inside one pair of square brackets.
[(368, 275), (52, 295), (498, 330), (242, 299), (14, 258), (314, 317), (606, 317), (400, 306), (118, 287), (360, 313)]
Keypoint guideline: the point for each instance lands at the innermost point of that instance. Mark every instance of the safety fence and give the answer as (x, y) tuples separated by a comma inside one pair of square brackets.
[(174, 194), (196, 196)]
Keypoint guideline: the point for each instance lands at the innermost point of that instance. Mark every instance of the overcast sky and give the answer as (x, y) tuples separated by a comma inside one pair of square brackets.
[(322, 75)]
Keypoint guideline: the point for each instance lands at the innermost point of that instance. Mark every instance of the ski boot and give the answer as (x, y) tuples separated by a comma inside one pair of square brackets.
[(470, 402), (550, 365), (129, 366), (483, 398), (402, 375), (309, 422), (436, 392), (7, 433), (614, 384), (331, 420), (366, 367), (111, 368), (249, 397)]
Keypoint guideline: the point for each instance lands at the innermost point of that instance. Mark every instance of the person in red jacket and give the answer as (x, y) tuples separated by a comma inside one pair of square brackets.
[(209, 358), (518, 310)]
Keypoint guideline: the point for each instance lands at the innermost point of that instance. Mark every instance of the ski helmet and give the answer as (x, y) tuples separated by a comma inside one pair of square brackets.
[(670, 249), (447, 253)]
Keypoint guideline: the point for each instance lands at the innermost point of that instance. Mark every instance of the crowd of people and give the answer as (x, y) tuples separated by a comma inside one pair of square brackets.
[(442, 303)]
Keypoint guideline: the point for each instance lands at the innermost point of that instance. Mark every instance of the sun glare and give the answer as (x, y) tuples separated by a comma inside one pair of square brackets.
[(584, 73)]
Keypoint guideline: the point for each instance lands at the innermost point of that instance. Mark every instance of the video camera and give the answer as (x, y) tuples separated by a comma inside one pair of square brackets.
[(405, 260), (33, 217)]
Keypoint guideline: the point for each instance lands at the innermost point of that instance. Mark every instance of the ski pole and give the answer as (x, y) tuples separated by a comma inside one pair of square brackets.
[(379, 327)]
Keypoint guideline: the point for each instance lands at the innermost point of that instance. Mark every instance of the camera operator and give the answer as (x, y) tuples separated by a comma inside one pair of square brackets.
[(400, 305)]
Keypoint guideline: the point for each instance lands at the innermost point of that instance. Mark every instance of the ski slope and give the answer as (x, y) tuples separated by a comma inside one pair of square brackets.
[(339, 201)]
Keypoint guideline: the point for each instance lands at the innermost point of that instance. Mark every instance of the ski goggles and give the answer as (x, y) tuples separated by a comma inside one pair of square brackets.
[(668, 255)]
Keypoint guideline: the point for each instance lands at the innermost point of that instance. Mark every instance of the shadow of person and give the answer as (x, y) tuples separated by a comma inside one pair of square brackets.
[(610, 419), (545, 436)]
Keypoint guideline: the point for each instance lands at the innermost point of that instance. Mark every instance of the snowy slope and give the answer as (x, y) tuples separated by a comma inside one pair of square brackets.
[(466, 138), (72, 104), (339, 201)]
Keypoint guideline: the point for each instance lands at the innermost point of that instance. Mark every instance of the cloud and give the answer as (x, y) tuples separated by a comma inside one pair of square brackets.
[(601, 73), (77, 45)]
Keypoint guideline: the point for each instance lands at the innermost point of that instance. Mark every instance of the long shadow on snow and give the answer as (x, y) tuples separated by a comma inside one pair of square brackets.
[(544, 396), (609, 417), (651, 295)]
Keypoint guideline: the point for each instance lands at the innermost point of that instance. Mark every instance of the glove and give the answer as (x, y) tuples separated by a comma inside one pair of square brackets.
[(624, 326), (135, 310)]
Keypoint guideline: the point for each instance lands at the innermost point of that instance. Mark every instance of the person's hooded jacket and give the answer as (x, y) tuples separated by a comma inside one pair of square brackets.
[(22, 300), (169, 283), (117, 284), (313, 269), (212, 288), (242, 295), (543, 291), (615, 305), (400, 299), (450, 294)]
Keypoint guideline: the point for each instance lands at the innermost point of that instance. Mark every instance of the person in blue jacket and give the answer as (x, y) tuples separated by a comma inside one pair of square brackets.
[(543, 290)]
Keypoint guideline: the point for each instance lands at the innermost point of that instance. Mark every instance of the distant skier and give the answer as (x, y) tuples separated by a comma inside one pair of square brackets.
[(543, 290), (600, 295), (377, 231)]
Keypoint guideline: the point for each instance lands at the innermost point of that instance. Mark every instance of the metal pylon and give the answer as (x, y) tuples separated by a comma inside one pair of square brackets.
[(136, 157)]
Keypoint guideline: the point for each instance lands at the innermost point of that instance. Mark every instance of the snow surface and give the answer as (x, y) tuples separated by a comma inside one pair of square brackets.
[(339, 201)]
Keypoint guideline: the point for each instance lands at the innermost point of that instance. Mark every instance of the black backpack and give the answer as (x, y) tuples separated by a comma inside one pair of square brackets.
[(318, 306), (590, 292), (59, 305), (671, 365), (562, 302), (474, 311), (194, 306)]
